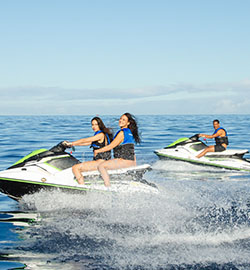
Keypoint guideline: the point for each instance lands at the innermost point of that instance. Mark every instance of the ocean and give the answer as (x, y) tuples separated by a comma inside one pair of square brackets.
[(199, 220)]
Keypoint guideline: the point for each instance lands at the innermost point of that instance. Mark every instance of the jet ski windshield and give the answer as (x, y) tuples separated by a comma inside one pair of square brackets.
[(199, 145)]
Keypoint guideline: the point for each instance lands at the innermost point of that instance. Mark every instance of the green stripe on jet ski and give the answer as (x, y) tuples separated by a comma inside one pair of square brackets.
[(30, 155), (48, 185), (201, 162), (178, 141)]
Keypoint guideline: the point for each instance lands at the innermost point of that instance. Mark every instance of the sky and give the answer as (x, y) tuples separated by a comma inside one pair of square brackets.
[(111, 56)]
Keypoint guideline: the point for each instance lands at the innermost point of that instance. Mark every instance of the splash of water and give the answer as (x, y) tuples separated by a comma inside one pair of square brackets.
[(180, 226)]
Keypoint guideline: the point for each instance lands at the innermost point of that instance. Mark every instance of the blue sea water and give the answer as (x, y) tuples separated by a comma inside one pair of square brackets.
[(200, 220)]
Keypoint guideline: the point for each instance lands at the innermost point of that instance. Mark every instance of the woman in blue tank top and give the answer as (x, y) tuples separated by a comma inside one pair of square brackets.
[(123, 145), (101, 138)]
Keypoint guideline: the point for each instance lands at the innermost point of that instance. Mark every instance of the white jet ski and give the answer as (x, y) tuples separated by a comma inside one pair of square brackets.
[(186, 149), (52, 169)]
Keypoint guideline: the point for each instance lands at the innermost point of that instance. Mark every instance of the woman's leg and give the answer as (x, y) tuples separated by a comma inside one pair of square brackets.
[(85, 167), (111, 165)]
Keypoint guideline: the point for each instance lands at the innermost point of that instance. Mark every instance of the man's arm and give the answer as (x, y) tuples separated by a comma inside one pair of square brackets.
[(220, 132)]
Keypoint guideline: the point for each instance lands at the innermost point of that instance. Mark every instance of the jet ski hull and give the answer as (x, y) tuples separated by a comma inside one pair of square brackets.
[(52, 170), (243, 166), (127, 180), (17, 188)]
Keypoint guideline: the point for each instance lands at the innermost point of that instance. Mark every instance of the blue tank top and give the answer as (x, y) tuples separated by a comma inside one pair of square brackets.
[(128, 136), (96, 144), (218, 130), (220, 140), (125, 149)]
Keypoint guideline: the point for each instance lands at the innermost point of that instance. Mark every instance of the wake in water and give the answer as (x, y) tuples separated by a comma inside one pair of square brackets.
[(180, 227), (180, 170)]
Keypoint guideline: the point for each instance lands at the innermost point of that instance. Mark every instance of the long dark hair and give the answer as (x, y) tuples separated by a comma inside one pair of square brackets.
[(102, 127), (133, 127)]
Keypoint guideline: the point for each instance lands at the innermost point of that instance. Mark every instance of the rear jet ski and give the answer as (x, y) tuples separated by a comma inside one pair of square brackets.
[(186, 149), (52, 169)]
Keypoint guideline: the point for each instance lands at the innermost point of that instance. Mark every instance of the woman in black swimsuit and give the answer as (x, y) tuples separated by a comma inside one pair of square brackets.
[(101, 138)]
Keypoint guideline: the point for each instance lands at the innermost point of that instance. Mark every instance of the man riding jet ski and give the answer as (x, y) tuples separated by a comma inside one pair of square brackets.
[(52, 169), (188, 149), (221, 140)]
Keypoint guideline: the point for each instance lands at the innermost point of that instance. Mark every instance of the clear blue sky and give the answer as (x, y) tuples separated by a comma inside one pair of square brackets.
[(112, 56)]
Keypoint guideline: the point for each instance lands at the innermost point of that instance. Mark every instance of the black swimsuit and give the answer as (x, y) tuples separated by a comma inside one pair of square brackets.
[(96, 145), (126, 150), (219, 141)]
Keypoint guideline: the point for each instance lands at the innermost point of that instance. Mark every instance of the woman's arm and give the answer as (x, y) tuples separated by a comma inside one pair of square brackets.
[(88, 141), (118, 139)]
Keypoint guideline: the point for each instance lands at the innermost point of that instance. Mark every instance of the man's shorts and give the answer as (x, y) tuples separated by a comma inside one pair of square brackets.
[(219, 148)]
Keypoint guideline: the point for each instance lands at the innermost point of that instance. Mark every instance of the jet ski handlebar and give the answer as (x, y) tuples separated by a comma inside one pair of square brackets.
[(195, 137), (59, 148)]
